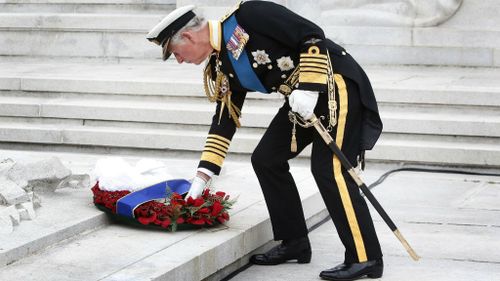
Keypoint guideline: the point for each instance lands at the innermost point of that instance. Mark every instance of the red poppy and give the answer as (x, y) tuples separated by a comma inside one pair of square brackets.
[(216, 208), (198, 202), (198, 222), (165, 223), (220, 193), (203, 211)]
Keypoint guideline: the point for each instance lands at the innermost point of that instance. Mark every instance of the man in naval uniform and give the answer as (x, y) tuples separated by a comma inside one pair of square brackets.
[(263, 47)]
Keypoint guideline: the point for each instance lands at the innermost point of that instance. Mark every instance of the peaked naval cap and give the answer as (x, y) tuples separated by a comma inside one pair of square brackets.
[(173, 22)]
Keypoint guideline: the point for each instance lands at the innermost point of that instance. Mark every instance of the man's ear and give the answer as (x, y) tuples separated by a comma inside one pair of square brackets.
[(188, 36)]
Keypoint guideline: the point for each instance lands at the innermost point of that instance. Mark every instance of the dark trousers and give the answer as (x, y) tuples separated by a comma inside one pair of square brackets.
[(340, 193)]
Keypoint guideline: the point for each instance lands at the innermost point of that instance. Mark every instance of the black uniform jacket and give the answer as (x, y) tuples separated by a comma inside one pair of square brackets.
[(278, 42)]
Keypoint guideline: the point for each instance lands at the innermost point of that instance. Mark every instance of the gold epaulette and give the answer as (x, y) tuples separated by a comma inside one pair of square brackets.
[(231, 11)]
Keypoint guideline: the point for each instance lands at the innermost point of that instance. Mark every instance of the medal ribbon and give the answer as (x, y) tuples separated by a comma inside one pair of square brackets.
[(241, 66)]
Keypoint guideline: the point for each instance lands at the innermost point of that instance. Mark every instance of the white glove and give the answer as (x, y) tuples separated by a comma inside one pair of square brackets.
[(199, 183), (197, 187), (303, 102)]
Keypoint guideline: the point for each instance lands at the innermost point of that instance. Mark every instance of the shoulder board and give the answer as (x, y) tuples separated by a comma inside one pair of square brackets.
[(231, 11)]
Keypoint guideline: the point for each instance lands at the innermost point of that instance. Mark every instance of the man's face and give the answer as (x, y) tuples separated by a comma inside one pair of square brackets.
[(190, 49)]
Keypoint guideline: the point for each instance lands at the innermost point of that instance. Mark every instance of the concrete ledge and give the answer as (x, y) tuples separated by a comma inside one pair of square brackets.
[(56, 221)]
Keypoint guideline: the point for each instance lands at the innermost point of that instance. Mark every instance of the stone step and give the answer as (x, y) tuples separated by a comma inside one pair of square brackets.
[(94, 6), (68, 104), (77, 35), (66, 22), (153, 80), (399, 147), (199, 112), (436, 37), (419, 46), (87, 35), (437, 150), (397, 118)]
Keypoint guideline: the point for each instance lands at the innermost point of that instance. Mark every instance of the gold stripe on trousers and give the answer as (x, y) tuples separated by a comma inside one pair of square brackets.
[(337, 171)]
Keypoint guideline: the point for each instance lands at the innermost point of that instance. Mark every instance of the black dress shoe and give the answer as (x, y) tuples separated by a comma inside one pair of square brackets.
[(294, 249), (354, 271)]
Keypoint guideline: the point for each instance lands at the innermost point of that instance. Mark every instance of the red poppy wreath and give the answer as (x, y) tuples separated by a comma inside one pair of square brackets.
[(163, 206)]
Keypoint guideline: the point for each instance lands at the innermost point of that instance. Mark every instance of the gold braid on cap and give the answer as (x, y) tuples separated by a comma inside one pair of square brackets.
[(219, 90)]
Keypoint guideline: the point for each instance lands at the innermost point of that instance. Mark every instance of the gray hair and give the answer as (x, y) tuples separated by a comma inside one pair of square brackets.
[(194, 24)]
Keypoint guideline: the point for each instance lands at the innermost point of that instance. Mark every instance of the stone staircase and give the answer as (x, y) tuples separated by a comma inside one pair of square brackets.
[(75, 29), (90, 80), (78, 76)]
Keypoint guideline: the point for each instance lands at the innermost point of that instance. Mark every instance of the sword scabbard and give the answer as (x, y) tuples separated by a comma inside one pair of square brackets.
[(369, 195)]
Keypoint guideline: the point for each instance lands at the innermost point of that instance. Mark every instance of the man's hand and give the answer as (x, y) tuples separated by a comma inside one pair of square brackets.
[(197, 187), (199, 183), (303, 102)]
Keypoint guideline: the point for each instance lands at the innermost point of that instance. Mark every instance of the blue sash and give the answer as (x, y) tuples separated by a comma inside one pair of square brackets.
[(126, 205), (242, 67)]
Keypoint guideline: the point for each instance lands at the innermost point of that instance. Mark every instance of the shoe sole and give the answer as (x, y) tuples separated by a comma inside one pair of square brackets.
[(373, 275)]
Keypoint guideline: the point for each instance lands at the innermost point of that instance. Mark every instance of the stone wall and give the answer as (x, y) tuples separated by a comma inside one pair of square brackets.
[(357, 12)]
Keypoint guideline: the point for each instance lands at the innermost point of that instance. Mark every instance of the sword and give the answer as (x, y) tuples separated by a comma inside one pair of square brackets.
[(314, 121)]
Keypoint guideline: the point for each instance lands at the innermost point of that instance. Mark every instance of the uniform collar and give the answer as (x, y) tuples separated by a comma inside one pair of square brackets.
[(215, 34)]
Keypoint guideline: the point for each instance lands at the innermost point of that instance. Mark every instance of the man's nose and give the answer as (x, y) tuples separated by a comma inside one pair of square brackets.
[(179, 59)]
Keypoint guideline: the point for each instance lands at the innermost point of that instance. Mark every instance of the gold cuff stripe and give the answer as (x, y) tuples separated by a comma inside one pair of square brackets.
[(218, 142), (221, 150), (221, 138), (315, 70), (212, 158), (339, 177), (215, 151), (322, 66), (313, 56), (314, 60), (312, 77), (310, 64)]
